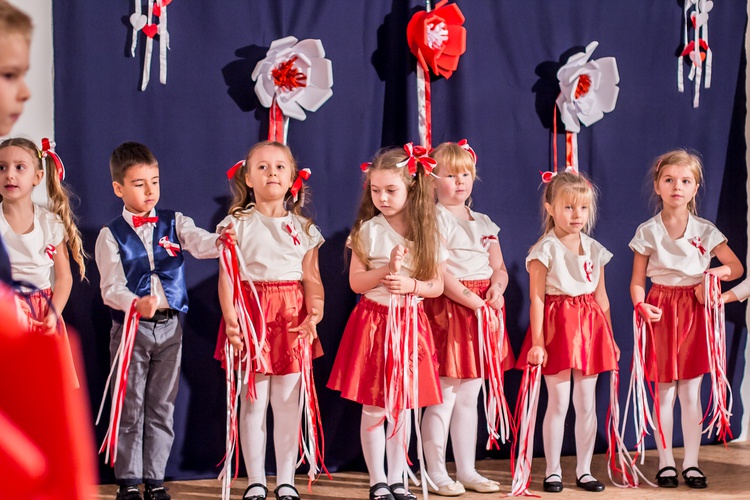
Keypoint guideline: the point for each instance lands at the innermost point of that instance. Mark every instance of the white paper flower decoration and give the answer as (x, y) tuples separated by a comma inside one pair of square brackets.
[(588, 89), (295, 76)]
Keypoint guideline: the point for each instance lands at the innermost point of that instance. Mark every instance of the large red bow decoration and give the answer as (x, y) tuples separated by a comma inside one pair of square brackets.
[(48, 151), (437, 38), (303, 175), (417, 154)]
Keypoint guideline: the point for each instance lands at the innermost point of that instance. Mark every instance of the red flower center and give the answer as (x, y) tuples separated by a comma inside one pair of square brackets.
[(286, 77), (584, 84)]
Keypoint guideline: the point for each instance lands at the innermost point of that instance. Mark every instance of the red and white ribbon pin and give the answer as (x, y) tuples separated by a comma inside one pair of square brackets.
[(171, 248), (51, 251), (588, 268), (292, 232), (486, 240), (696, 242)]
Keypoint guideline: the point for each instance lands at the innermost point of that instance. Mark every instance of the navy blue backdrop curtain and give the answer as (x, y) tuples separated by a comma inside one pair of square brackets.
[(500, 98)]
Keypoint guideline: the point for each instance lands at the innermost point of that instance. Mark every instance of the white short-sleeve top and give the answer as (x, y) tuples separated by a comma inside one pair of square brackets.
[(272, 247), (568, 273), (468, 243), (30, 257), (679, 262), (378, 240)]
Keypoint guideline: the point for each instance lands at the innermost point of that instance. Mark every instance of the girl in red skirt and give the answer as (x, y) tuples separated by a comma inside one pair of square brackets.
[(475, 279), (280, 249), (674, 249), (39, 239), (570, 333), (395, 262)]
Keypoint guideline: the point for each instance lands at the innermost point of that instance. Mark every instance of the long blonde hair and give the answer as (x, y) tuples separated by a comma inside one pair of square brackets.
[(243, 198), (422, 232), (59, 200), (569, 186), (675, 157)]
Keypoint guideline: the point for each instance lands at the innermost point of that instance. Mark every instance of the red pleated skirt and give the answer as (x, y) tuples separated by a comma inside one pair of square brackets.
[(454, 328), (359, 370), (679, 336), (283, 307), (35, 306), (576, 336)]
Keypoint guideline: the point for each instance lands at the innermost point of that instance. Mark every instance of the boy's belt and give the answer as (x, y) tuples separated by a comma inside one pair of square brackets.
[(162, 316)]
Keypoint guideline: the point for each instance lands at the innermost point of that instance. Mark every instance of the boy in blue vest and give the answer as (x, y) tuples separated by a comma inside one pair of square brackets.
[(139, 255)]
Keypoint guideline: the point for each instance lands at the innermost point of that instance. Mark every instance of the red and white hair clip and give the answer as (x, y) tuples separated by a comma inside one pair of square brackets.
[(302, 175), (48, 151), (464, 144), (417, 154), (233, 169)]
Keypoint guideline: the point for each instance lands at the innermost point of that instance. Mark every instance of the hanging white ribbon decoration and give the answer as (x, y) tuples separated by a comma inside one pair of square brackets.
[(144, 23), (692, 49)]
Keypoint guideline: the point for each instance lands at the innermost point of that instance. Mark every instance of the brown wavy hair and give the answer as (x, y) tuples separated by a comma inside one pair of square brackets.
[(422, 234), (243, 198), (676, 157), (59, 200)]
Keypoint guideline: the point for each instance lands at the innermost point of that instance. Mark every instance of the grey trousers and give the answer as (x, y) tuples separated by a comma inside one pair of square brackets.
[(146, 433)]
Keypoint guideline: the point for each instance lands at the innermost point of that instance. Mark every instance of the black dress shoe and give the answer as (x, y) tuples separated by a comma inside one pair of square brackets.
[(698, 482), (406, 495), (594, 485), (552, 486), (245, 495), (666, 481), (295, 496), (380, 496)]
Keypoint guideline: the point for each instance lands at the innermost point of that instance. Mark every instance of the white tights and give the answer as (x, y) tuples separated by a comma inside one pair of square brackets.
[(584, 404), (283, 393), (457, 413), (377, 445), (689, 392)]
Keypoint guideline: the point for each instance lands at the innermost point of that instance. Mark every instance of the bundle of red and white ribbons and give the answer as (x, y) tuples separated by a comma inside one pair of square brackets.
[(525, 417), (311, 438), (496, 410), (402, 383), (716, 339), (120, 366), (231, 456)]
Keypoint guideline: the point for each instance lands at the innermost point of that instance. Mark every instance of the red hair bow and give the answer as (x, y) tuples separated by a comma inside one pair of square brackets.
[(233, 170), (548, 176), (303, 175), (464, 144), (48, 150), (417, 154)]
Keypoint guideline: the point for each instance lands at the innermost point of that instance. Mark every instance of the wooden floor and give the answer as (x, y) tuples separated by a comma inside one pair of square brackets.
[(727, 469)]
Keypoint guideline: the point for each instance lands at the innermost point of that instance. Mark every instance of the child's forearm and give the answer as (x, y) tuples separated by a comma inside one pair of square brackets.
[(457, 292), (226, 300)]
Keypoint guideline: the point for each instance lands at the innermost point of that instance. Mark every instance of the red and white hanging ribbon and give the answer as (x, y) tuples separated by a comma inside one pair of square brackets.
[(525, 417), (254, 341), (120, 366), (311, 438), (278, 123), (424, 106), (172, 248), (698, 51), (233, 378), (495, 405), (48, 151), (619, 461), (145, 23), (720, 408)]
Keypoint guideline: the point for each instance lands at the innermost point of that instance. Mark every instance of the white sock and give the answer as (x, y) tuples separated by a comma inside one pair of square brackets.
[(252, 427), (558, 399), (464, 426), (584, 403), (372, 437), (397, 446), (667, 393), (285, 404), (689, 392), (436, 421)]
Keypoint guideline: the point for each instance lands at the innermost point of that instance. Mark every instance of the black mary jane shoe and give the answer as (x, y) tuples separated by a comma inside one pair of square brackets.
[(552, 486), (380, 496), (295, 496), (406, 495), (698, 482), (594, 486), (255, 497), (666, 481)]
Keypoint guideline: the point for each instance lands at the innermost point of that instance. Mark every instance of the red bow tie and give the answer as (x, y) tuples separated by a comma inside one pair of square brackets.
[(138, 221)]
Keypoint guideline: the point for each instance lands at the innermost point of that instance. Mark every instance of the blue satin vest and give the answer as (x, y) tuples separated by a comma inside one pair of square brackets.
[(170, 270)]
